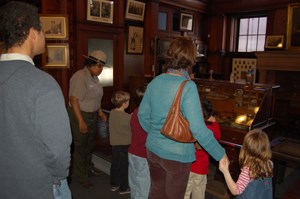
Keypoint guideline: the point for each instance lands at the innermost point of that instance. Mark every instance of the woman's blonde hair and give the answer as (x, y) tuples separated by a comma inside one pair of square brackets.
[(120, 97), (256, 154), (181, 53)]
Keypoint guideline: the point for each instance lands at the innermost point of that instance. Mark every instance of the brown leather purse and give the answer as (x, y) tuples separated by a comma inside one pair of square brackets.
[(176, 127)]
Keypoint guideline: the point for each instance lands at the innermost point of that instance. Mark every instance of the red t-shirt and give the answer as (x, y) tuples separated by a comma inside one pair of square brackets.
[(200, 166), (138, 138)]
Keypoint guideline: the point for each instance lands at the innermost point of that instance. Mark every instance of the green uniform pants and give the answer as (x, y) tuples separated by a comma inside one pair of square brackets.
[(83, 144)]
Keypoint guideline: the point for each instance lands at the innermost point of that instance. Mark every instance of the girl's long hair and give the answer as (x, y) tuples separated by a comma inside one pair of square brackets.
[(256, 154)]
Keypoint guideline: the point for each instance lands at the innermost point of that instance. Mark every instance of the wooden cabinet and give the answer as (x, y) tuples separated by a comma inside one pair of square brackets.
[(238, 109)]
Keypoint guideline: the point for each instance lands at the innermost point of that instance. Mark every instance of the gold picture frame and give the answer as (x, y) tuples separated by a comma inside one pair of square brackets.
[(135, 40), (186, 22), (274, 42), (100, 11), (56, 56), (293, 27), (135, 10), (55, 26)]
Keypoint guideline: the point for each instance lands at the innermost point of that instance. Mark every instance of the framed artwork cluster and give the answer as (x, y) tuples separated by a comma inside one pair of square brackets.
[(55, 28), (135, 11)]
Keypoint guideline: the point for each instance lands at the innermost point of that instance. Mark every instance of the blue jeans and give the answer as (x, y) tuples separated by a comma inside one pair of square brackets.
[(139, 177), (62, 191)]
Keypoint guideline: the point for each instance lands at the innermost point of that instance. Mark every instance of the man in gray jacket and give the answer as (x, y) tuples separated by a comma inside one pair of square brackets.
[(35, 135)]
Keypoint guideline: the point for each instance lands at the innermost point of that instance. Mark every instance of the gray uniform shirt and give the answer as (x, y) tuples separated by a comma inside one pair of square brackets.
[(87, 89)]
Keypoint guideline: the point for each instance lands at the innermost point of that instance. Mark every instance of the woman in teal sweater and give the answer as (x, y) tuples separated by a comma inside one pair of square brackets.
[(169, 161)]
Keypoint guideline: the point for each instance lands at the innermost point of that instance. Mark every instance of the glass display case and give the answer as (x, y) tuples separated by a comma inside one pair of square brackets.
[(238, 108)]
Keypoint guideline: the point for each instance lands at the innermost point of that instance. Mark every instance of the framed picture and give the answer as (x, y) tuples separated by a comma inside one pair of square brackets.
[(186, 22), (135, 40), (135, 10), (56, 56), (293, 28), (55, 26), (100, 11), (274, 42)]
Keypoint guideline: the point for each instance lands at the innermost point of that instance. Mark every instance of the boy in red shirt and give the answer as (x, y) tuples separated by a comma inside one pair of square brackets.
[(199, 169)]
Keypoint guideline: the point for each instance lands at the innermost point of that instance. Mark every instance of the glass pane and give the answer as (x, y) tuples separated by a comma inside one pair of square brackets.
[(252, 41), (253, 25), (261, 43), (106, 45), (162, 21), (242, 43), (262, 25), (243, 27)]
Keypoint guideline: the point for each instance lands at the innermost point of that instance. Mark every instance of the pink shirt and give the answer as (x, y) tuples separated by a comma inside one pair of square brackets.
[(243, 181)]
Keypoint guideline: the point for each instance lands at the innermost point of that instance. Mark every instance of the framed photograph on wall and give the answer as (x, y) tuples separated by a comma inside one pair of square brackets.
[(100, 11), (55, 26), (56, 56), (293, 27), (274, 42), (135, 40), (135, 10), (186, 22)]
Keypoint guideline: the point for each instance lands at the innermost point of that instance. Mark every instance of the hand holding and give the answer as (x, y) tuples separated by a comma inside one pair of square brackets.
[(224, 164)]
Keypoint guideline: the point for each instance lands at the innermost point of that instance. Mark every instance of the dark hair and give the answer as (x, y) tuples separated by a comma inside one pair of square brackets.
[(181, 53), (139, 94), (16, 19), (207, 108)]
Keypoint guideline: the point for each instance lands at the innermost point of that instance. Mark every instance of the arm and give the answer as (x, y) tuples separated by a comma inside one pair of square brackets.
[(214, 127), (145, 112), (191, 108), (76, 109), (53, 127), (224, 168), (242, 182), (102, 115)]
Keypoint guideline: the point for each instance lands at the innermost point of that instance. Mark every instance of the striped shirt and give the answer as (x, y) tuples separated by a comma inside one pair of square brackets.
[(243, 181)]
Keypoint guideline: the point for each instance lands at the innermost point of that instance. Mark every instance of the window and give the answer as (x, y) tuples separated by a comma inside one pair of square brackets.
[(251, 34)]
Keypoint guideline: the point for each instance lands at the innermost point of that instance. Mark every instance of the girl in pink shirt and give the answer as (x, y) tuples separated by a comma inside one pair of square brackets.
[(255, 179)]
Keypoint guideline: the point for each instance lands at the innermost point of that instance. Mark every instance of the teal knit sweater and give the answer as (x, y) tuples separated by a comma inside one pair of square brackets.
[(154, 109)]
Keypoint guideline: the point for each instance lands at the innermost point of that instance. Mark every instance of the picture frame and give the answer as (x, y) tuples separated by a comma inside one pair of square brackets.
[(135, 10), (274, 42), (293, 27), (186, 22), (56, 56), (135, 40), (55, 26), (100, 11)]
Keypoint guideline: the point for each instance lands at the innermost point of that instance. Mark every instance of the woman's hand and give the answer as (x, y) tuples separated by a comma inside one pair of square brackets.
[(224, 164)]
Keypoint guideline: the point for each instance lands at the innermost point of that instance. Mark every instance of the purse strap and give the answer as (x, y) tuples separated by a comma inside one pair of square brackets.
[(176, 101)]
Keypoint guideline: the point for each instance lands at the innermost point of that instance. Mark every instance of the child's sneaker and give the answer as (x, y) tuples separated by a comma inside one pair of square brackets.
[(125, 192), (114, 188)]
